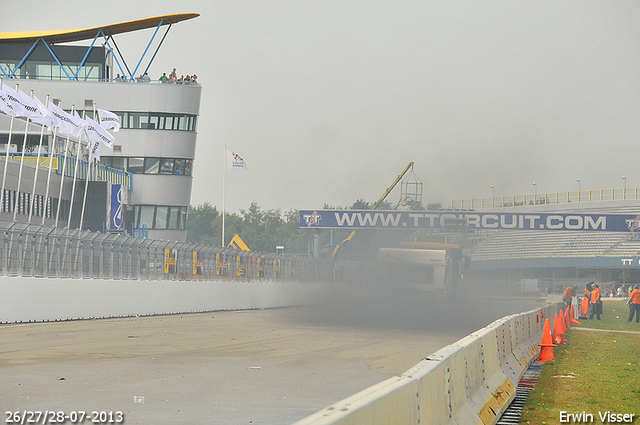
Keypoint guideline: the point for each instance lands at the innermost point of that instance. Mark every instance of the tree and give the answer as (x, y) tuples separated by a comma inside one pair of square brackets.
[(203, 224)]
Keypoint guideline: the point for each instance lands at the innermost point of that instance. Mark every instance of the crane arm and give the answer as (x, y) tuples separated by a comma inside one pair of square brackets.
[(376, 205)]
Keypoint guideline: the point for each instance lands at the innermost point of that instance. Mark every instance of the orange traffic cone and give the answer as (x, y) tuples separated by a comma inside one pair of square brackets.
[(572, 317), (566, 323), (546, 352), (558, 329)]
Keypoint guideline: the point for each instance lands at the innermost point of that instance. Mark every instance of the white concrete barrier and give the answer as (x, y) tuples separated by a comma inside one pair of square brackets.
[(469, 382), (25, 299)]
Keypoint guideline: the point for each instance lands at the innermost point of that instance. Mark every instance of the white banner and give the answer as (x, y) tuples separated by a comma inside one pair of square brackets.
[(109, 120), (96, 133), (235, 161), (67, 123), (32, 109), (13, 101), (5, 106)]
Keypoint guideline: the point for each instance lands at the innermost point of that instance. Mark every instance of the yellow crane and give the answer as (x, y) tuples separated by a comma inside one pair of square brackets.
[(382, 198)]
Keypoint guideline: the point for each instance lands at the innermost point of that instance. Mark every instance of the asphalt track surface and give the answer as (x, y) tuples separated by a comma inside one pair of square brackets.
[(272, 366)]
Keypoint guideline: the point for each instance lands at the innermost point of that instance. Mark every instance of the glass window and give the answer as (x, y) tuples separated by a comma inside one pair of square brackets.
[(186, 168), (123, 119), (183, 123), (144, 121), (169, 124), (153, 122), (162, 217), (174, 215), (117, 162), (151, 165), (146, 215), (167, 166), (182, 222), (179, 165), (136, 165)]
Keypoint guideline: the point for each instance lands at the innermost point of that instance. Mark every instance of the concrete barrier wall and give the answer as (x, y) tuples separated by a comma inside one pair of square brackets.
[(24, 299), (469, 382)]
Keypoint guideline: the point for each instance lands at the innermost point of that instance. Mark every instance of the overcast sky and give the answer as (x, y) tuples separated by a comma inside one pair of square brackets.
[(328, 101)]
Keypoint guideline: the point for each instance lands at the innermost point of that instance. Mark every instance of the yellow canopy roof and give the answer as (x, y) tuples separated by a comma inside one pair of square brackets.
[(67, 36)]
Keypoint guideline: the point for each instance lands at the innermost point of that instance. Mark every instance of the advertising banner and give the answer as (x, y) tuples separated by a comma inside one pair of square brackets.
[(170, 261), (470, 220), (118, 200), (197, 263)]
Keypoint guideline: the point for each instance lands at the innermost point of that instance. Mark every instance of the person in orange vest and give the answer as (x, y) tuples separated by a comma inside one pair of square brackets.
[(566, 297), (634, 304), (595, 302)]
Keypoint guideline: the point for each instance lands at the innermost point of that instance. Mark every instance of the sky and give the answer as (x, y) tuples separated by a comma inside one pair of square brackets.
[(328, 101)]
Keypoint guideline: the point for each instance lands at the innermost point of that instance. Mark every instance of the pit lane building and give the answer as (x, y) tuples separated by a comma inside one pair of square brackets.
[(153, 155)]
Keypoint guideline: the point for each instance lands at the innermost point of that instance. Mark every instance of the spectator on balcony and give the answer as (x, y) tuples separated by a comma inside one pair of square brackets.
[(163, 78)]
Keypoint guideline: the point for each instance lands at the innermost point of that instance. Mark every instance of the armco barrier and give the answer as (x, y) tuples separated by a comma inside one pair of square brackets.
[(469, 382)]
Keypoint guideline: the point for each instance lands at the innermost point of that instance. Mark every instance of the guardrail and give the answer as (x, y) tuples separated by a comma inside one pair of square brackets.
[(600, 195), (469, 382)]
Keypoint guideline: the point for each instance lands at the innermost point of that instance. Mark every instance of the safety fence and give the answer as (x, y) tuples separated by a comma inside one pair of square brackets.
[(469, 382), (599, 195), (41, 251)]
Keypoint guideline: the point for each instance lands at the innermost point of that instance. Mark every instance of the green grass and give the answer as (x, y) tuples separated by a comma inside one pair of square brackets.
[(605, 367)]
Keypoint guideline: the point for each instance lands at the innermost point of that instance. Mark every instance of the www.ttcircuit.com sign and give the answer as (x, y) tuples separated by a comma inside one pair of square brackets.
[(368, 219)]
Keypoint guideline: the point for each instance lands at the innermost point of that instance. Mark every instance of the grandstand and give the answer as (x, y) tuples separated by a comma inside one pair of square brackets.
[(554, 256)]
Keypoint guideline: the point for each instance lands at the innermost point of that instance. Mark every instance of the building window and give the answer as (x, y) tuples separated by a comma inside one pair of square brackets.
[(136, 166), (160, 217), (146, 215), (151, 165), (167, 166), (157, 121)]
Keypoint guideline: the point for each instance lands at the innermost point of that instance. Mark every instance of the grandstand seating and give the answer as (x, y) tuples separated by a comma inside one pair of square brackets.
[(504, 244), (536, 244)]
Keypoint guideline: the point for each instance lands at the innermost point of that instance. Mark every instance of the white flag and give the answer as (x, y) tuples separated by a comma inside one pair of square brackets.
[(96, 133), (235, 161), (32, 109), (12, 100), (95, 150), (5, 106), (109, 120), (67, 123), (46, 117)]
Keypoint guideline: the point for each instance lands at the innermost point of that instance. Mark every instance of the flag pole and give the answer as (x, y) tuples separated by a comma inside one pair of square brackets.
[(24, 147), (64, 168), (86, 184), (6, 162), (35, 177), (224, 183), (75, 174), (52, 152)]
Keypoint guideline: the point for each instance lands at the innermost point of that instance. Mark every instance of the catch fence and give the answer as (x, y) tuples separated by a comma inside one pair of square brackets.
[(49, 252)]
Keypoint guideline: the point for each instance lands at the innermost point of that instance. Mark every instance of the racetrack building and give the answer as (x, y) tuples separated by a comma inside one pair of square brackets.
[(154, 149)]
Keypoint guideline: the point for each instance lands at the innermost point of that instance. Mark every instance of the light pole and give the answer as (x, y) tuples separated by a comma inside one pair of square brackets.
[(624, 192), (535, 193), (493, 196), (579, 186)]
